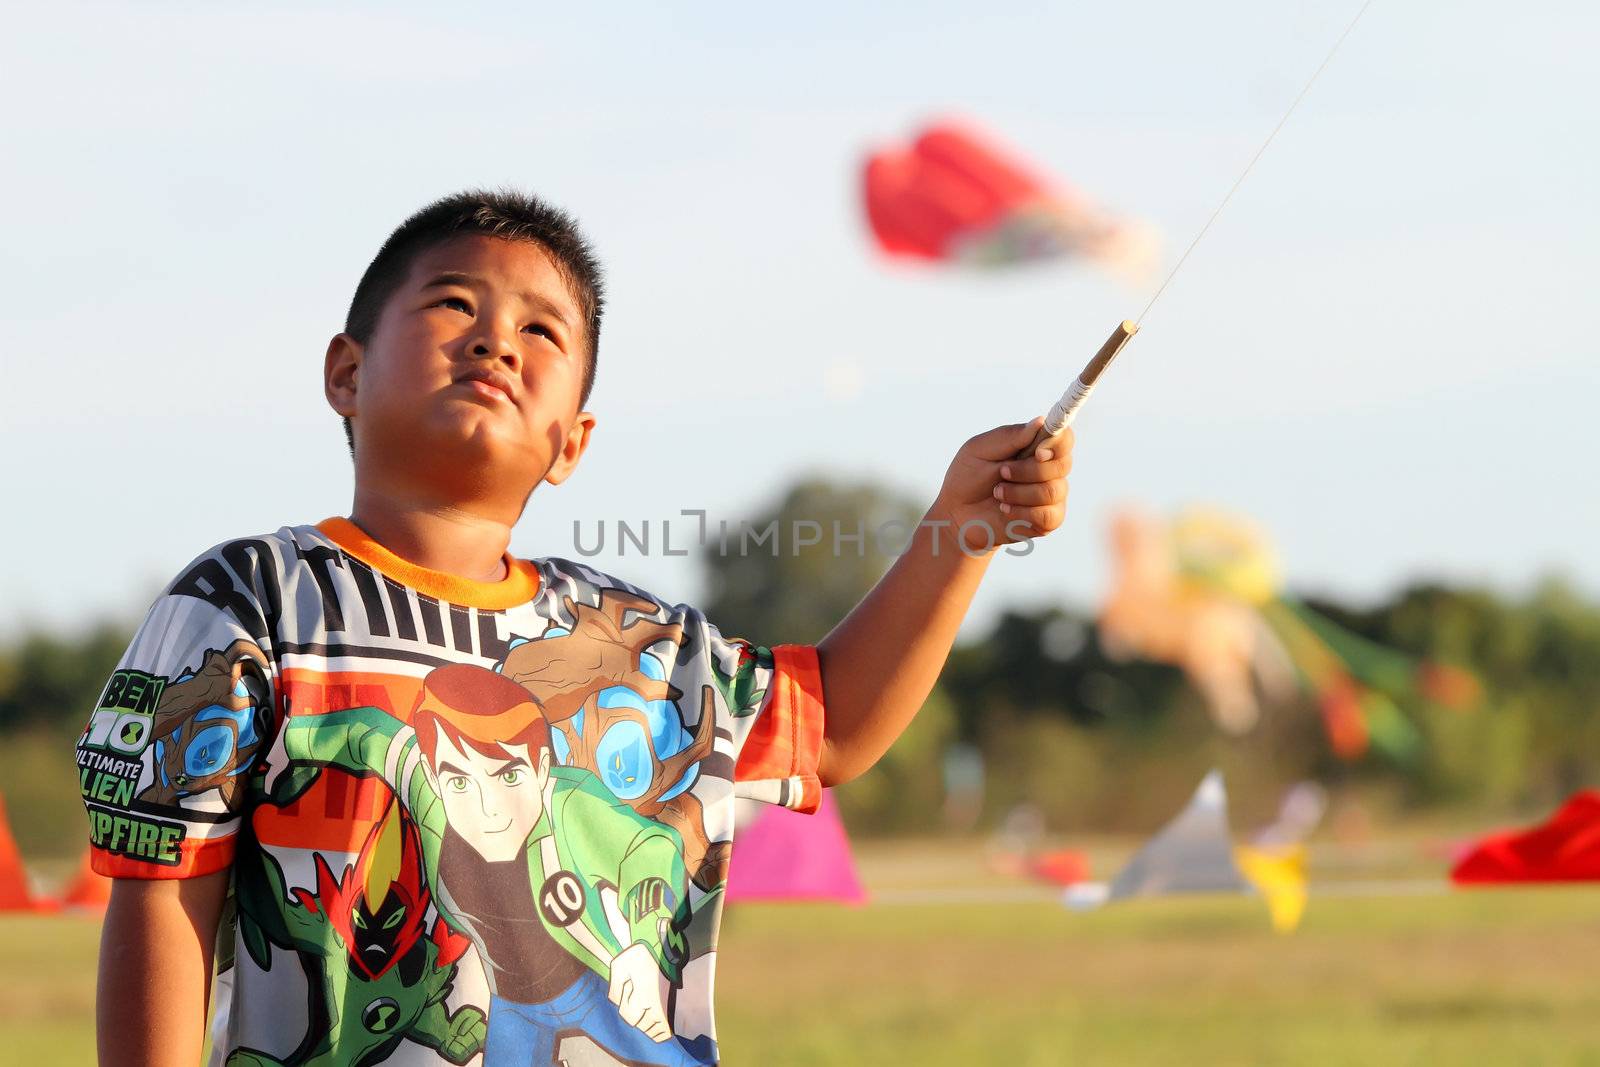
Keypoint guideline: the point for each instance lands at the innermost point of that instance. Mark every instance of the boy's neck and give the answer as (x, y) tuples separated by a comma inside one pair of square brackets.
[(446, 538)]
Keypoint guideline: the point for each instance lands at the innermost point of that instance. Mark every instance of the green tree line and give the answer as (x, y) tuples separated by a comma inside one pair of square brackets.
[(1097, 744)]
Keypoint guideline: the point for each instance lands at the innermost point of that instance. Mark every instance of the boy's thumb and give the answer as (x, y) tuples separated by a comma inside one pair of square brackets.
[(1004, 442), (1026, 431)]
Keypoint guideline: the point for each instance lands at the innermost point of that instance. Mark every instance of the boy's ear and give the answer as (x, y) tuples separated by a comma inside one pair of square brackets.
[(572, 448), (340, 369)]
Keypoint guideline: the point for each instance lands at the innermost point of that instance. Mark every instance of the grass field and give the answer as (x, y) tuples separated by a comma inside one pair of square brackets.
[(1480, 977)]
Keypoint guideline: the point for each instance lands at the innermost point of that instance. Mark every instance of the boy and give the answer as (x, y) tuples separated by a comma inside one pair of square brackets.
[(563, 749)]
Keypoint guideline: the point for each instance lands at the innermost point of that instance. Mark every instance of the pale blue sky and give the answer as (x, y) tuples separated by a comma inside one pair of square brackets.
[(1381, 352)]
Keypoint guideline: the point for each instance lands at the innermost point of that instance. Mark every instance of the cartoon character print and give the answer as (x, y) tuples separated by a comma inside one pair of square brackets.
[(614, 713), (390, 983), (575, 901), (209, 725)]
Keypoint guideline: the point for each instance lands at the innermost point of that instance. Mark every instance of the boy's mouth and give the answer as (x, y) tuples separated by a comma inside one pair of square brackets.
[(488, 383)]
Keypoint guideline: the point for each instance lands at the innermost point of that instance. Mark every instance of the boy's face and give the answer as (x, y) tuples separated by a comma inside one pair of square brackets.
[(471, 379)]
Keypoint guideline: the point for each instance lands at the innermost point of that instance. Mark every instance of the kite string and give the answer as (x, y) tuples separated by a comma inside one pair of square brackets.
[(1245, 173)]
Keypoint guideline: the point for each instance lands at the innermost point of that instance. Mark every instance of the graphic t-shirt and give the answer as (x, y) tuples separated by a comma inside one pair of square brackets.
[(467, 822)]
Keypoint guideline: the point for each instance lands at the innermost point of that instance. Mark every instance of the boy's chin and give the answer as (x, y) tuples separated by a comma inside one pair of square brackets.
[(484, 441), (476, 455)]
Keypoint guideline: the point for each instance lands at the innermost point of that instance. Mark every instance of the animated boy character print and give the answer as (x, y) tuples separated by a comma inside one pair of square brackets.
[(575, 902), (380, 978)]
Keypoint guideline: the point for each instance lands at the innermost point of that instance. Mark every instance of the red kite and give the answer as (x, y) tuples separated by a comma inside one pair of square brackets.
[(1565, 849), (952, 195)]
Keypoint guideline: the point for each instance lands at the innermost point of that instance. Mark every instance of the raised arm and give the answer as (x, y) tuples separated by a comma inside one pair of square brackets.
[(880, 663)]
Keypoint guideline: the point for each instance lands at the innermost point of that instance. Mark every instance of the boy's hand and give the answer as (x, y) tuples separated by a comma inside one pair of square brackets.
[(990, 499)]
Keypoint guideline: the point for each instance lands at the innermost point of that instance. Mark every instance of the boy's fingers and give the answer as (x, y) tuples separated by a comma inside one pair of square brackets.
[(1031, 494), (1003, 442), (1033, 470), (1058, 444), (1040, 520)]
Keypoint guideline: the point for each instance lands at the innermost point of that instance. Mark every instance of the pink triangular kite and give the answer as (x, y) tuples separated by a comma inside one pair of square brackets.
[(784, 855)]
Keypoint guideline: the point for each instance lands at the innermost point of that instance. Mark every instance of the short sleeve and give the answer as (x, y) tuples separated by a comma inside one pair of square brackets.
[(775, 702), (165, 763)]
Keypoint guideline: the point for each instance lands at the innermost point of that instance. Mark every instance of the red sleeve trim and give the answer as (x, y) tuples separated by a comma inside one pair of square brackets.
[(195, 858), (785, 741)]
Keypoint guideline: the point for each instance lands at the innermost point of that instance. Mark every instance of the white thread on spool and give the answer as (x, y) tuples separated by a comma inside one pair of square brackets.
[(1066, 409)]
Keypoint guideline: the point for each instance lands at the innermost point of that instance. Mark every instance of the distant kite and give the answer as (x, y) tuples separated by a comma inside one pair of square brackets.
[(15, 895), (1564, 849), (1188, 593), (1301, 809), (952, 195), (783, 855), (1203, 593), (1194, 853)]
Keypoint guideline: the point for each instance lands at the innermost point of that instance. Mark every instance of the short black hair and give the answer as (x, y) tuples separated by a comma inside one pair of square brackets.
[(504, 213)]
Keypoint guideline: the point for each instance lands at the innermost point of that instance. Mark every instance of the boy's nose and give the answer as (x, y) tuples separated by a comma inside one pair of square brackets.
[(493, 346)]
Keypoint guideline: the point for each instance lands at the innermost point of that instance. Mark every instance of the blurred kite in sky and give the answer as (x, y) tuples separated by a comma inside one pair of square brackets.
[(1203, 593), (954, 195)]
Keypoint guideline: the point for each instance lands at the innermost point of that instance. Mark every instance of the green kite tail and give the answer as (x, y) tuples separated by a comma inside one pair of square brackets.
[(1388, 729), (1366, 660)]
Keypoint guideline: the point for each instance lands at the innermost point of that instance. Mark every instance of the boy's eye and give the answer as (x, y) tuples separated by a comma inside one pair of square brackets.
[(456, 784), (512, 777), (543, 331), (455, 302)]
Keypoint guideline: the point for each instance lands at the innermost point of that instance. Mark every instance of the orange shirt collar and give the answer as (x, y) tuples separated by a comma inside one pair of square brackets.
[(520, 585)]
